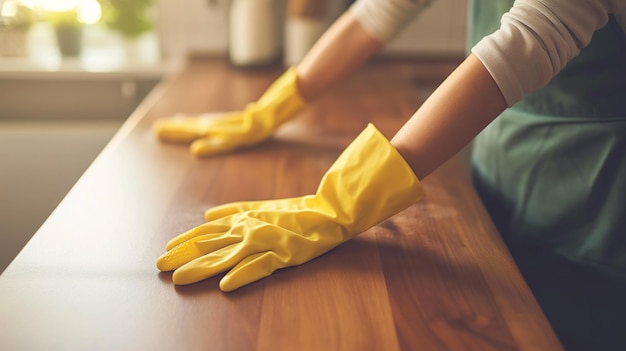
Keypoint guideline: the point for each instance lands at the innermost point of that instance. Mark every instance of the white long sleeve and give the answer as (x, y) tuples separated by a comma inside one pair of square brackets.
[(536, 40), (534, 43)]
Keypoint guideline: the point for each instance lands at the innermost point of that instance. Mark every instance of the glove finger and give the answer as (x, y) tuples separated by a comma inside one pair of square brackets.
[(209, 265), (213, 145), (229, 133), (181, 128), (213, 227), (220, 260), (293, 204), (193, 249), (222, 211), (251, 269), (230, 124), (186, 128)]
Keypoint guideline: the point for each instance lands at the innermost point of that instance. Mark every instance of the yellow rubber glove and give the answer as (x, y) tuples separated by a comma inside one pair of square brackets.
[(368, 183), (213, 134)]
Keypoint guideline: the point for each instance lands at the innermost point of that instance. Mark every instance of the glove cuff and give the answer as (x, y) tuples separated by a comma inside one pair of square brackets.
[(368, 183), (281, 101)]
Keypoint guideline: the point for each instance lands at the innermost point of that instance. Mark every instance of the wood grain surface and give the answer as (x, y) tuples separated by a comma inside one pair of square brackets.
[(436, 276)]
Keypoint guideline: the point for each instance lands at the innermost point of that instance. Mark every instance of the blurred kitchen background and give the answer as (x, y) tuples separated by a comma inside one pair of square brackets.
[(72, 71)]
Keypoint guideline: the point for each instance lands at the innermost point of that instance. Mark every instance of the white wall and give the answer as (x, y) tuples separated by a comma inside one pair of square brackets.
[(201, 26)]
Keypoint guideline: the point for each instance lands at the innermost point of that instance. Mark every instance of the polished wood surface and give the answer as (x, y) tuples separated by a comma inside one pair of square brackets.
[(436, 276)]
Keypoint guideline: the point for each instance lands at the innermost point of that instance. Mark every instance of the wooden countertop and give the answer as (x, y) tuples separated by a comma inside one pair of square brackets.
[(437, 276)]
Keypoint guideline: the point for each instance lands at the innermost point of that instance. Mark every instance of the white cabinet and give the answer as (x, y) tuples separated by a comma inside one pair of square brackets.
[(52, 126), (39, 163)]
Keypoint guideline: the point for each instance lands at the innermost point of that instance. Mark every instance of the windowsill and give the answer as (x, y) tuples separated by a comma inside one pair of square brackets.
[(104, 54)]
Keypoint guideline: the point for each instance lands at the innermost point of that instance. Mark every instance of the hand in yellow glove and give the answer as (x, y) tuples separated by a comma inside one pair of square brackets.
[(368, 183), (211, 135)]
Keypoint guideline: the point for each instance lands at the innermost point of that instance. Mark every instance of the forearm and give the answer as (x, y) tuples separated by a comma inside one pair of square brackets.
[(343, 48), (465, 103), (535, 42)]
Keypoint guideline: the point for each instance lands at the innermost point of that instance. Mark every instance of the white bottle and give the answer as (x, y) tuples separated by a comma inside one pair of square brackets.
[(254, 32)]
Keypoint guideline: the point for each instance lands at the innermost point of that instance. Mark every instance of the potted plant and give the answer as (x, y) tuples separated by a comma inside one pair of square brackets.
[(68, 30), (130, 18), (15, 21)]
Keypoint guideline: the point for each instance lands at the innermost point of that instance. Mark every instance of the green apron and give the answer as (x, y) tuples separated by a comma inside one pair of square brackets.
[(552, 168), (551, 171)]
